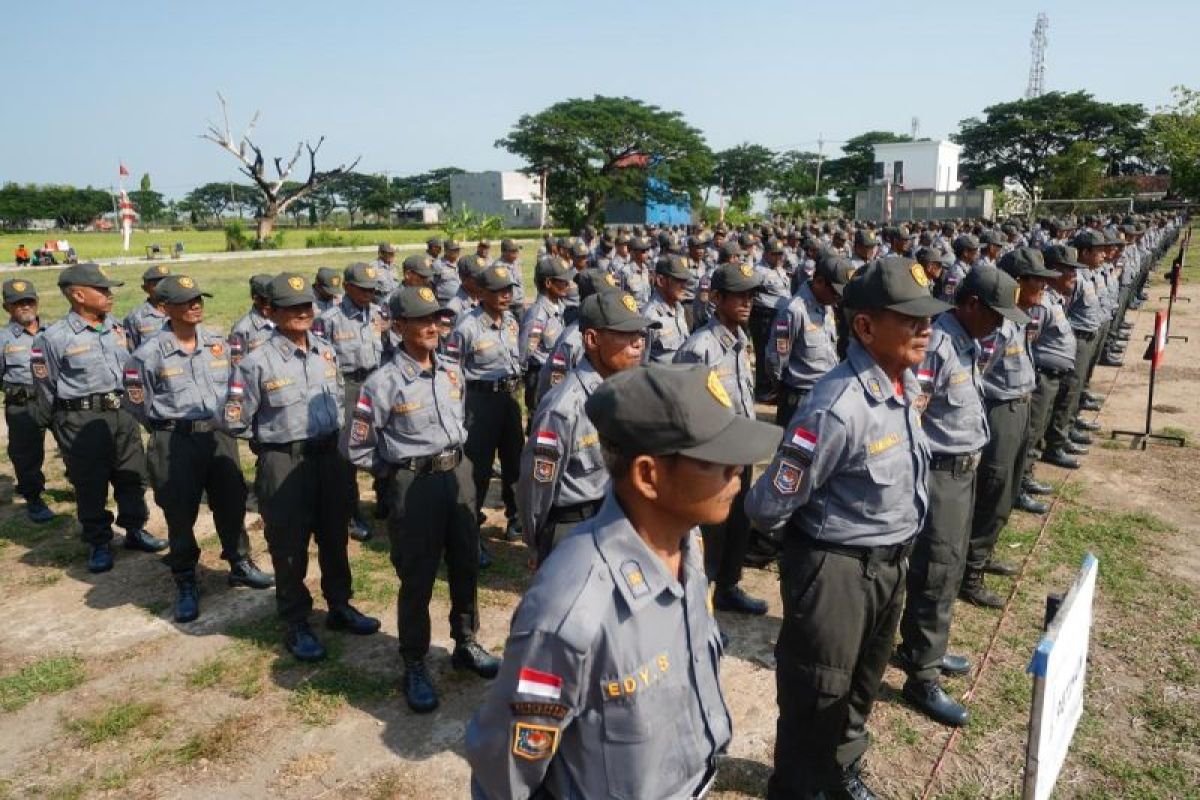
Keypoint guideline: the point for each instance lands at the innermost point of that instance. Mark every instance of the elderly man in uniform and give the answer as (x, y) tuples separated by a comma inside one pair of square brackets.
[(327, 288), (723, 345), (78, 365), (955, 422), (866, 247), (668, 307), (148, 318), (287, 397), (26, 427), (850, 483), (610, 683), (255, 326), (355, 328), (544, 321), (510, 259), (563, 477), (385, 265), (408, 429), (176, 384)]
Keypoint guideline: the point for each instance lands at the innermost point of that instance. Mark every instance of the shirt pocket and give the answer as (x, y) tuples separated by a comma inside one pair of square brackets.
[(284, 396), (642, 740), (415, 421), (587, 460), (82, 362), (882, 473)]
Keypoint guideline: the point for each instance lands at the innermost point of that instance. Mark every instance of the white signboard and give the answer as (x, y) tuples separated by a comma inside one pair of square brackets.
[(1059, 668)]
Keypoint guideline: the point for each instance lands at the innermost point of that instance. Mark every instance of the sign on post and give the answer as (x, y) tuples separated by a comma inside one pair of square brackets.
[(1059, 668)]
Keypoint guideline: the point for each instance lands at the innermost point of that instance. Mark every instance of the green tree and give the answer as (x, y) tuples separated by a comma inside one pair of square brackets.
[(352, 189), (793, 176), (1075, 172), (852, 171), (607, 147), (743, 170), (1174, 139), (149, 204), (207, 203), (144, 183)]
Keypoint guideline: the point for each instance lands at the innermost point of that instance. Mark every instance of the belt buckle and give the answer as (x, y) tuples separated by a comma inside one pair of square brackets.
[(443, 461), (111, 401)]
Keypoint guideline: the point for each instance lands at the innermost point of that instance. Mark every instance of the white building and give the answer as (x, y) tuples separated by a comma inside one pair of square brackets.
[(917, 165), (513, 196)]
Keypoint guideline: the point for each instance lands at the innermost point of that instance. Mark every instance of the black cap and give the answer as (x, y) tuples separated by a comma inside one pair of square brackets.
[(419, 264), (451, 245), (174, 289), (496, 278), (966, 242), (17, 289), (640, 243), (1060, 256), (995, 289), (387, 247), (990, 236), (895, 283), (433, 241), (412, 302), (836, 269), (364, 276), (155, 273), (328, 278), (674, 266), (775, 246), (579, 250), (1022, 262), (595, 280), (553, 268), (508, 245), (668, 409), (728, 250), (290, 289), (865, 238), (471, 265), (89, 273), (735, 278), (260, 285), (1087, 237), (613, 311)]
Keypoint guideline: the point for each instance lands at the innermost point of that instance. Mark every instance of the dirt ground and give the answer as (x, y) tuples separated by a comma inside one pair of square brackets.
[(102, 695)]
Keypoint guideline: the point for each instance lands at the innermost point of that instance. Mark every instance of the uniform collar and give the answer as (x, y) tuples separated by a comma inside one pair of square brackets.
[(351, 309), (259, 319), (726, 337), (875, 382), (638, 574), (289, 350), (78, 323), (809, 298), (588, 377), (17, 329), (656, 298), (963, 342), (152, 310), (169, 342), (408, 365)]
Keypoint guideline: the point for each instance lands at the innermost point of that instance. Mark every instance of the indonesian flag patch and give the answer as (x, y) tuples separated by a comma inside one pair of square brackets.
[(539, 684), (804, 440)]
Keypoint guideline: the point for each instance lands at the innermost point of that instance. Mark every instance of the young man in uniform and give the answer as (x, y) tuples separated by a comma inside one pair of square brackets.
[(668, 307), (327, 287), (176, 384), (255, 326), (610, 683), (148, 318), (510, 259), (385, 265), (407, 428), (26, 427), (775, 293), (543, 322)]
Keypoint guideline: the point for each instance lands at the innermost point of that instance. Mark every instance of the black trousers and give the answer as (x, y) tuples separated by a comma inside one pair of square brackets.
[(494, 427), (789, 400), (182, 467), (725, 544), (760, 334), (352, 390), (102, 448), (839, 618), (1041, 406), (999, 479), (1070, 389), (302, 495), (26, 448), (433, 518), (935, 572)]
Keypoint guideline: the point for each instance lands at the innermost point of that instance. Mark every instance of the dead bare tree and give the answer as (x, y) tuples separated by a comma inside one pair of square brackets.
[(276, 199)]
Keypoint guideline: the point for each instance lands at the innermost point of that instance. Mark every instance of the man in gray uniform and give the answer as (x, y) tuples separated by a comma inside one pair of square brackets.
[(255, 326), (636, 276), (78, 365), (407, 429), (176, 384), (148, 318), (445, 272), (775, 293), (355, 328), (569, 347), (610, 683), (385, 265), (26, 427), (722, 344), (543, 322), (327, 288), (850, 483), (286, 397), (955, 423), (562, 472), (667, 307), (510, 259)]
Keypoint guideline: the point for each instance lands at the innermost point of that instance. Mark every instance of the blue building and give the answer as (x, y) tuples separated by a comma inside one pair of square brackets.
[(660, 206)]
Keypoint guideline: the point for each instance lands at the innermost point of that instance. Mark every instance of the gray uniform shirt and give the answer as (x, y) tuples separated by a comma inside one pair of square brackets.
[(1008, 373), (727, 353), (72, 359), (248, 333), (954, 419), (355, 333), (610, 683), (488, 350), (540, 328), (405, 411), (446, 282), (164, 382), (635, 279), (853, 467), (1084, 311), (16, 345), (282, 393), (386, 276), (564, 358), (143, 323), (461, 303), (661, 343), (561, 463), (803, 344), (776, 286), (1054, 339)]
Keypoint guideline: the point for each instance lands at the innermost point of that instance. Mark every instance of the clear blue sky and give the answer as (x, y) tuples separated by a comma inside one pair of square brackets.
[(413, 86)]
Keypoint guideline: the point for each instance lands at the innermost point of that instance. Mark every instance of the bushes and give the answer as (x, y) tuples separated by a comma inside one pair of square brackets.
[(238, 238)]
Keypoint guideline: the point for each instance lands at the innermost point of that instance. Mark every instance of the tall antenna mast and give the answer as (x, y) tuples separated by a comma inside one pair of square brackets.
[(915, 128), (1037, 60)]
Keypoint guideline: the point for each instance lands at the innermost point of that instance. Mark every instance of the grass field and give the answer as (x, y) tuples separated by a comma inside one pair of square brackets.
[(92, 245)]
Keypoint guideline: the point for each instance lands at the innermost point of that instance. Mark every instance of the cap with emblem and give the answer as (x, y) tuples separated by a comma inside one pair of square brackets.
[(363, 276), (728, 250), (669, 409), (433, 241), (735, 278), (613, 311), (496, 278), (17, 290), (966, 242), (552, 268), (178, 289), (1061, 257), (1087, 238), (579, 250), (419, 264), (775, 246), (896, 283), (595, 280), (995, 289), (1113, 239), (991, 237), (289, 289), (674, 266), (155, 273), (1022, 262), (469, 266), (865, 238), (509, 246), (328, 278), (260, 285), (835, 269), (414, 302), (89, 273)]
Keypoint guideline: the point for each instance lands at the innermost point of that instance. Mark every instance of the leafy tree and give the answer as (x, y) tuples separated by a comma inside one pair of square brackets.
[(1075, 172), (793, 176), (852, 171), (1174, 139), (605, 147), (379, 200), (144, 183), (743, 170), (149, 204), (352, 189), (207, 202)]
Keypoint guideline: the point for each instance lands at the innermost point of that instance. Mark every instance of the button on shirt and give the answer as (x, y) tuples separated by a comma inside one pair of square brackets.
[(282, 393), (727, 353), (954, 419), (356, 334), (15, 346), (853, 468), (165, 382), (488, 350), (1054, 342), (661, 343), (407, 411), (73, 359), (610, 683), (803, 344), (1009, 373), (143, 323), (540, 329)]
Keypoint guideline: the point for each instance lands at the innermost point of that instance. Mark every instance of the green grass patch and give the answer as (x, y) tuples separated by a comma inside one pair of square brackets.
[(240, 669), (374, 578), (114, 722), (44, 677), (319, 699), (227, 739)]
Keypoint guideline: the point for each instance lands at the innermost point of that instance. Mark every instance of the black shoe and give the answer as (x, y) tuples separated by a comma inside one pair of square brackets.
[(485, 558), (1060, 459), (138, 539), (37, 511), (1108, 360), (100, 558), (470, 655), (245, 572), (975, 592), (187, 598), (350, 619), (955, 665), (1126, 327), (360, 529), (418, 688), (1080, 437), (1072, 449), (513, 532), (1090, 405), (852, 788), (994, 567), (733, 598), (1030, 505), (931, 699), (1086, 425), (1030, 486), (302, 643)]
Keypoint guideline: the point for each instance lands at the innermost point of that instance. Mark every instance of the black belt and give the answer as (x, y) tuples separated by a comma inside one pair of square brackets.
[(444, 461), (575, 513), (505, 385), (107, 401), (1009, 400), (1055, 373), (307, 447), (183, 425), (1087, 336), (359, 375), (18, 395), (883, 554), (966, 462)]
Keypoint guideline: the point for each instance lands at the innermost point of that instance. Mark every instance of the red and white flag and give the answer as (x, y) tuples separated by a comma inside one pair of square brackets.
[(547, 439), (806, 440), (539, 684), (123, 172)]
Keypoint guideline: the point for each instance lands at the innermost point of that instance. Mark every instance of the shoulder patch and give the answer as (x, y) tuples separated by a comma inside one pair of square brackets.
[(534, 742), (788, 475)]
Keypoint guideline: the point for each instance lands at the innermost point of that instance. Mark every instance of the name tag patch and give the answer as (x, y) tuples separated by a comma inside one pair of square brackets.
[(886, 443)]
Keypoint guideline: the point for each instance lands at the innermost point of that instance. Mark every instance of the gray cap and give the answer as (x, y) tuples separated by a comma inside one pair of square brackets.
[(990, 236), (174, 289), (669, 409), (966, 242), (1060, 256), (433, 241), (290, 289), (775, 246), (328, 278), (835, 269), (364, 276), (1086, 237), (496, 278), (640, 243), (735, 278), (387, 247), (673, 266), (471, 265), (260, 285), (508, 245), (89, 273), (595, 280), (895, 283), (419, 264), (17, 289), (450, 245), (580, 250), (728, 250), (553, 268), (413, 302), (996, 289), (155, 273), (1021, 262), (865, 238), (613, 311)]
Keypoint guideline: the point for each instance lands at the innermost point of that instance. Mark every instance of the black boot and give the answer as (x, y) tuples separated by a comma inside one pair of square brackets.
[(1086, 425), (931, 699), (733, 598), (955, 665), (348, 618), (139, 539), (1030, 505), (470, 655), (37, 511), (187, 597), (1060, 458), (1030, 486), (100, 558), (975, 591), (244, 572), (418, 687), (360, 529), (302, 643)]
